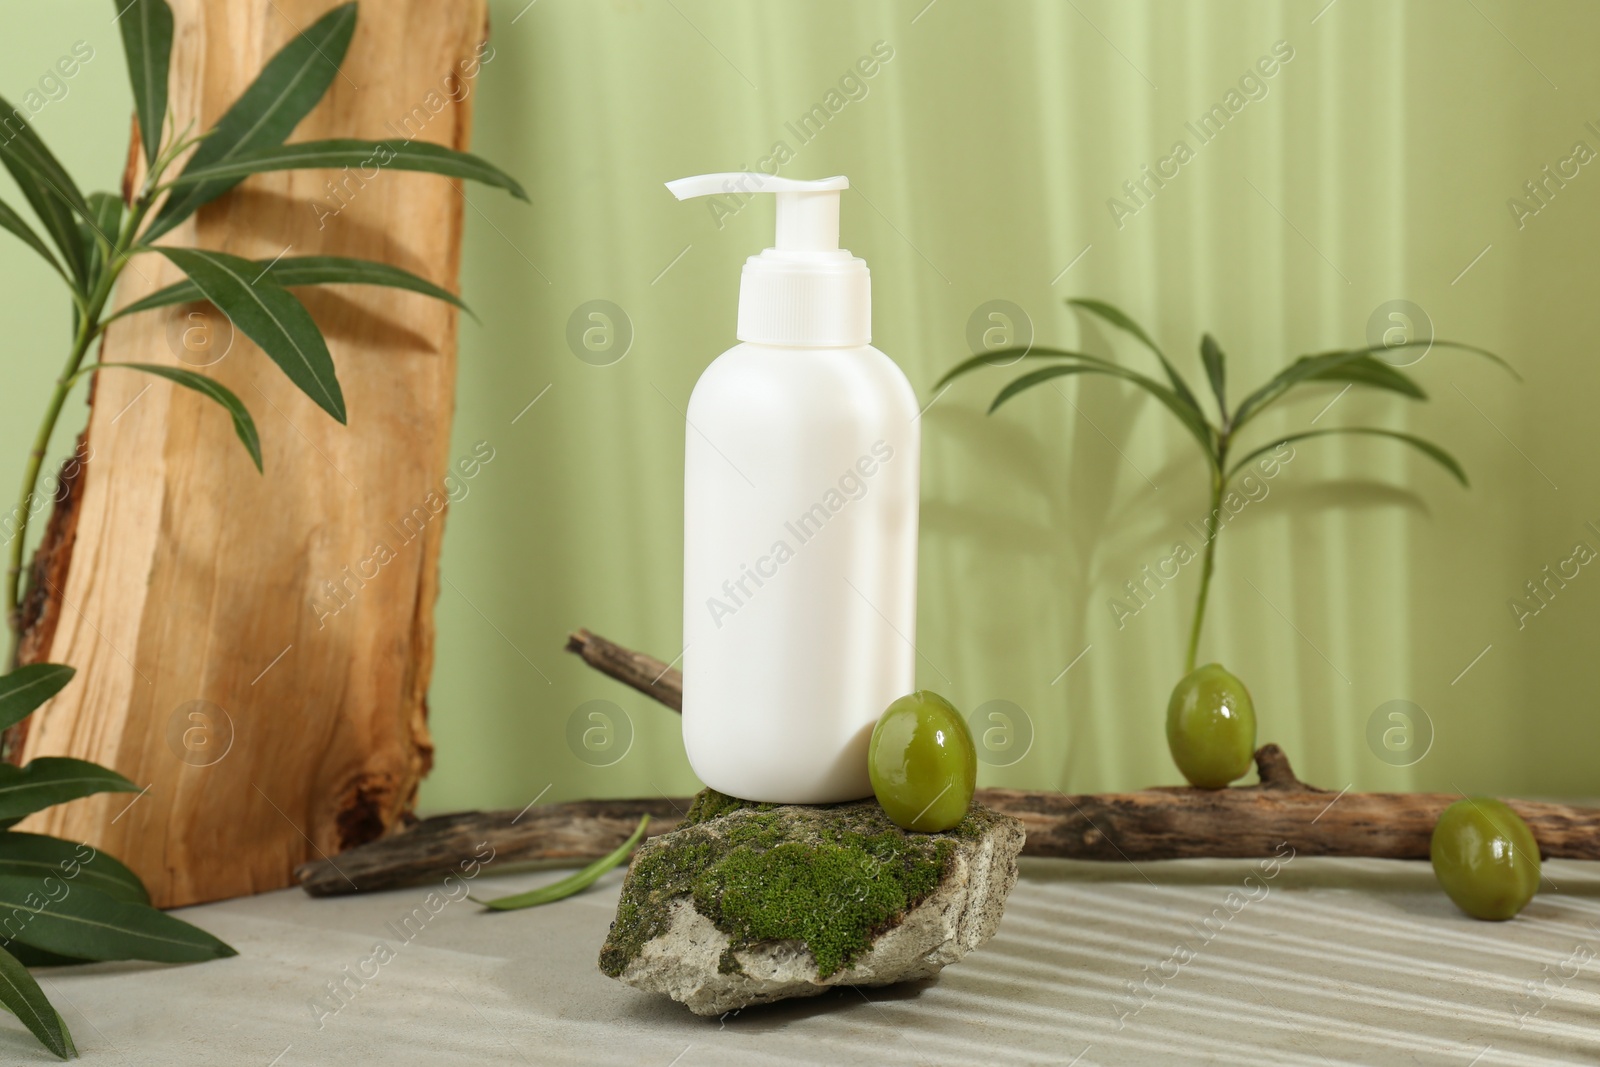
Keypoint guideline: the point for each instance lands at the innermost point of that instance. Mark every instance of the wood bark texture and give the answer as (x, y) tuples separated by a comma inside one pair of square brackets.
[(1151, 824), (256, 649)]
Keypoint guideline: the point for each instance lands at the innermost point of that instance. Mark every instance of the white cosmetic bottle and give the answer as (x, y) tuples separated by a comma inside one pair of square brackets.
[(800, 519)]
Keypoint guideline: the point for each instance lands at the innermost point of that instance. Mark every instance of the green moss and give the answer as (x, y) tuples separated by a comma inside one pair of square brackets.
[(709, 804), (832, 877)]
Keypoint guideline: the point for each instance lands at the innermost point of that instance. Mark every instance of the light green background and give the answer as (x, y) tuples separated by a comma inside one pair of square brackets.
[(1377, 167)]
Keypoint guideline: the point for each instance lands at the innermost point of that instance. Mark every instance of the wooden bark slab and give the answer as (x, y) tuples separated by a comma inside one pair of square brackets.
[(1279, 816), (189, 577)]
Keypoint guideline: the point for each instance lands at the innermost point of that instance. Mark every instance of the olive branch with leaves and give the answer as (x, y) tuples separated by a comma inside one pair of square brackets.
[(1218, 440), (104, 912)]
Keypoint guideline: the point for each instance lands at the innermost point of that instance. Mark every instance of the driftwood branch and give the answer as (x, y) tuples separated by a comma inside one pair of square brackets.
[(580, 830), (1151, 824)]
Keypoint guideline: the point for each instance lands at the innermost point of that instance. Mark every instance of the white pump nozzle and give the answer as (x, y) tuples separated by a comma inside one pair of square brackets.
[(805, 290), (808, 212)]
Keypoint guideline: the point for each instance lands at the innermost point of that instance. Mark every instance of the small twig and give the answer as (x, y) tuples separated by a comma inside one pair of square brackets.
[(1272, 767), (653, 677)]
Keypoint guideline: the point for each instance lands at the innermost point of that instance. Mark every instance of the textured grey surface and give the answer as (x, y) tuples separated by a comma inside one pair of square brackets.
[(1332, 962)]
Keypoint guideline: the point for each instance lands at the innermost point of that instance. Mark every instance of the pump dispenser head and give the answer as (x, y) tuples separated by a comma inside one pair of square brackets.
[(805, 290)]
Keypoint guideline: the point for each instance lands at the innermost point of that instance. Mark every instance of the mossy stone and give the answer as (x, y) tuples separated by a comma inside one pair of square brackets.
[(831, 877)]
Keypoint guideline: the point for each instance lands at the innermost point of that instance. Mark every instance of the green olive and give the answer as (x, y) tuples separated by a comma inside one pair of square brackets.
[(923, 763), (1211, 727), (1485, 858)]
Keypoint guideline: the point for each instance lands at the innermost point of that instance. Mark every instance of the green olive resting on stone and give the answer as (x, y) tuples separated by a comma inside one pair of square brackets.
[(1485, 858), (923, 763), (1211, 727)]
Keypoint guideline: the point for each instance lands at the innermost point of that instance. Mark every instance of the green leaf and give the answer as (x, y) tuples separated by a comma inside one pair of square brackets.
[(1375, 373), (1038, 377), (147, 39), (26, 688), (243, 424), (285, 91), (344, 270), (29, 956), (270, 317), (72, 1049), (51, 780), (36, 856), (106, 211), (348, 152), (47, 186), (10, 220), (573, 882), (1009, 357), (99, 232), (1216, 372), (290, 271), (1191, 419), (1427, 448), (96, 235), (75, 920), (1315, 367), (20, 993), (1116, 317)]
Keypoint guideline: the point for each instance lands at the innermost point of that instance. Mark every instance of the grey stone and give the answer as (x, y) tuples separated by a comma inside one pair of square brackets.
[(880, 905)]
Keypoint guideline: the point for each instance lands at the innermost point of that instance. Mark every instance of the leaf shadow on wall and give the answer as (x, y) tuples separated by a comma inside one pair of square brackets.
[(1036, 517)]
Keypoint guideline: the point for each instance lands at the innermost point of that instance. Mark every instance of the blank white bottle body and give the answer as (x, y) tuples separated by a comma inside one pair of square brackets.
[(800, 564)]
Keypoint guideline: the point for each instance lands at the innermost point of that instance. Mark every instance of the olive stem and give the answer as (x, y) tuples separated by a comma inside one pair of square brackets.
[(1208, 561)]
